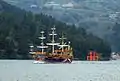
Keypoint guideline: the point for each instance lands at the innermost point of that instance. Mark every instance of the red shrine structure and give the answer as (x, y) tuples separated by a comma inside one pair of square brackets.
[(93, 56)]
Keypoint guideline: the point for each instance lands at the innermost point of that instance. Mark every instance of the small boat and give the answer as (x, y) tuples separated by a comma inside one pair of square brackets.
[(115, 56)]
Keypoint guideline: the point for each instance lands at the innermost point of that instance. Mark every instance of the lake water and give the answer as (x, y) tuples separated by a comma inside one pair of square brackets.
[(25, 70)]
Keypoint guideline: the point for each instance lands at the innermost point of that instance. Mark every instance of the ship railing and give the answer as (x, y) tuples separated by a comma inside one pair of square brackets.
[(37, 53), (63, 50)]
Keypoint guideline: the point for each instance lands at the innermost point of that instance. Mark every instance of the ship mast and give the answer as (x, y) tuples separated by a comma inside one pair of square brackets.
[(62, 43), (42, 43), (31, 49), (53, 34)]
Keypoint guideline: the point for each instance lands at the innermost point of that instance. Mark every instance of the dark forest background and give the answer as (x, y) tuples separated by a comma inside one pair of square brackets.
[(19, 28)]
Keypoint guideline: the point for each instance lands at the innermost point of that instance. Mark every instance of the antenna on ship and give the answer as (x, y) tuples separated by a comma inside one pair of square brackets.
[(42, 43), (53, 34)]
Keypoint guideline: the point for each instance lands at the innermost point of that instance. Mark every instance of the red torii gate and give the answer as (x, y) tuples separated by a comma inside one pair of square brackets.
[(92, 56)]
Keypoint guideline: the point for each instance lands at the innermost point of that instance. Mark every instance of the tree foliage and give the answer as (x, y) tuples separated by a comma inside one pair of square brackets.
[(19, 28)]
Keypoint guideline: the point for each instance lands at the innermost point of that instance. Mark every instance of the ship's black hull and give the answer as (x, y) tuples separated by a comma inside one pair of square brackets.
[(60, 60)]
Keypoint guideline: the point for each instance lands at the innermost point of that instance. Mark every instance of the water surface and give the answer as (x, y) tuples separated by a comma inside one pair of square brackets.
[(25, 70)]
